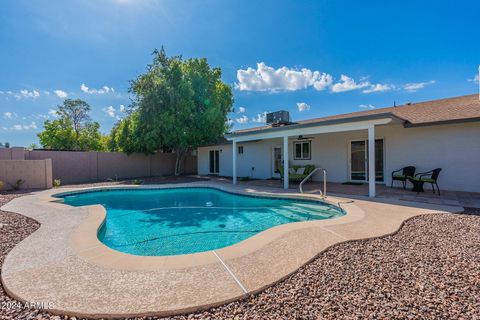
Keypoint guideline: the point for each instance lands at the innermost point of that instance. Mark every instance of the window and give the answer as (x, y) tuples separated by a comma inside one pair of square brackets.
[(240, 149), (302, 150), (214, 161)]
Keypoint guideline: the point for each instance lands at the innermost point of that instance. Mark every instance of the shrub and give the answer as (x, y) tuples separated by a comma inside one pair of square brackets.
[(1, 184), (57, 183), (137, 181), (16, 186)]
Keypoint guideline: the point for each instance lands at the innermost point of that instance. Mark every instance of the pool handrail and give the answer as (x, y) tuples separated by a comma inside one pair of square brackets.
[(322, 193)]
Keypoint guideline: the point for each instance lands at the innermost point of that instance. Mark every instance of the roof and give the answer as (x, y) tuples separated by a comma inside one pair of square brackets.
[(456, 109)]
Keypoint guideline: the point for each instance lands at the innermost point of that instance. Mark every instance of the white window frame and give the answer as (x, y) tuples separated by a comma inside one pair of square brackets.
[(309, 142)]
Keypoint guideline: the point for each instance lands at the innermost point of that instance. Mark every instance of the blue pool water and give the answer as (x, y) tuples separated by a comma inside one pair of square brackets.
[(159, 222)]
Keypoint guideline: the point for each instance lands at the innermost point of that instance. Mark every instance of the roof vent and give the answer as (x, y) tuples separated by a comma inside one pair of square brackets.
[(278, 118)]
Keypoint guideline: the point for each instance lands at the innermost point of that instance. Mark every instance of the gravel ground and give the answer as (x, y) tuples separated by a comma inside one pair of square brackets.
[(430, 269)]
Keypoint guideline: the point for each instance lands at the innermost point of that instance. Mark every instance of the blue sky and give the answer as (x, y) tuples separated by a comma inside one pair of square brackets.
[(312, 58)]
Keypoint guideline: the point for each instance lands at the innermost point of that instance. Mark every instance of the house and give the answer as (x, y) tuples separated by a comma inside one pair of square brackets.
[(441, 133)]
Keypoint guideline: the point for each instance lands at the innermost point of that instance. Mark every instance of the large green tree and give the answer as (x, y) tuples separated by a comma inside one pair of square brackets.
[(73, 130), (178, 105)]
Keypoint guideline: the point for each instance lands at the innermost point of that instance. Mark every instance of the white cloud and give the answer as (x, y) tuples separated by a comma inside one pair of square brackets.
[(114, 113), (21, 127), (266, 78), (23, 94), (366, 106), (242, 120), (323, 82), (414, 86), (52, 113), (103, 90), (241, 110), (9, 115), (378, 88), (110, 110), (260, 118), (475, 79), (347, 84), (60, 93), (302, 106)]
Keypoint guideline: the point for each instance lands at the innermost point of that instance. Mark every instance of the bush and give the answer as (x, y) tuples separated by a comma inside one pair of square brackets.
[(137, 181), (57, 183), (16, 186), (1, 185)]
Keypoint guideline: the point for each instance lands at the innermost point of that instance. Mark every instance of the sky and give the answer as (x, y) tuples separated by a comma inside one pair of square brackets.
[(311, 58)]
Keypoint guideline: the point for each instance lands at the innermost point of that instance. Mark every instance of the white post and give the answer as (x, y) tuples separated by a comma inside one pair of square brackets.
[(371, 161), (234, 162), (285, 162)]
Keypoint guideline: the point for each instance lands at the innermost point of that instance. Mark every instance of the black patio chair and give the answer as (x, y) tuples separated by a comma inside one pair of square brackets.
[(402, 175), (429, 177)]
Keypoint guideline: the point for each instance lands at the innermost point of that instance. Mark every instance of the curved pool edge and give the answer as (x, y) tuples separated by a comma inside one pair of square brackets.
[(84, 239), (192, 282)]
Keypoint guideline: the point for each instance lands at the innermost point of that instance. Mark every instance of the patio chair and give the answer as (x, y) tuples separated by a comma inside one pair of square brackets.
[(429, 177), (402, 175)]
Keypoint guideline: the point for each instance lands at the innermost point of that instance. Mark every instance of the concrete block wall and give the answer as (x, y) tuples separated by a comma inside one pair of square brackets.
[(36, 174), (84, 167)]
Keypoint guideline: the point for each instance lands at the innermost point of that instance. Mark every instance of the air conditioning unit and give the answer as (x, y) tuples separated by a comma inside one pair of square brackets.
[(278, 118)]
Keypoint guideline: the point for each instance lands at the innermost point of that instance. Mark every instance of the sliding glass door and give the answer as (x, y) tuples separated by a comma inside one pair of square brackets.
[(359, 160), (277, 161), (214, 161)]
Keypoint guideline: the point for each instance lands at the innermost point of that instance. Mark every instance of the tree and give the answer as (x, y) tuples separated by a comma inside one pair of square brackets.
[(33, 146), (58, 134), (178, 105), (76, 111), (73, 130)]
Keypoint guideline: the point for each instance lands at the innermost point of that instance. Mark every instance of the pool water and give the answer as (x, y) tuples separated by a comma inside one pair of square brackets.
[(161, 222)]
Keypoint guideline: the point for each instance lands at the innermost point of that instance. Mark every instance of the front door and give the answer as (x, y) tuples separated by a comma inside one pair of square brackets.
[(277, 161), (359, 160)]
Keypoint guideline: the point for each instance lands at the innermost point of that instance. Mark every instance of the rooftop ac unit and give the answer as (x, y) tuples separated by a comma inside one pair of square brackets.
[(278, 118)]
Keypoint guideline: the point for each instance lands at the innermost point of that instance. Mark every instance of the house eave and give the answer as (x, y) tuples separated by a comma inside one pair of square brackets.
[(233, 135), (443, 122)]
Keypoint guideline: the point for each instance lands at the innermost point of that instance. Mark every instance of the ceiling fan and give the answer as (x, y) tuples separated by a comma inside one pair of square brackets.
[(305, 138)]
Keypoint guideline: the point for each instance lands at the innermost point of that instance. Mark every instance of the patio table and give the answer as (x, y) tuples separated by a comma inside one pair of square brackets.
[(417, 184)]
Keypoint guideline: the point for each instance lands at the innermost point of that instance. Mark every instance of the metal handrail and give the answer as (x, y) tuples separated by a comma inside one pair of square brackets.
[(322, 193)]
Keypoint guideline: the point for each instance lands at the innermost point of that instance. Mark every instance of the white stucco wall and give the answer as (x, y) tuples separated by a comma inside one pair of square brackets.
[(255, 162), (455, 148)]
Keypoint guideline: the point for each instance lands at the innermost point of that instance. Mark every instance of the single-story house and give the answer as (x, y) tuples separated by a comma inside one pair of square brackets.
[(363, 146)]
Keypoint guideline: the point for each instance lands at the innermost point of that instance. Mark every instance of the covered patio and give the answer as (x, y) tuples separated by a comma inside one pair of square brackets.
[(287, 133)]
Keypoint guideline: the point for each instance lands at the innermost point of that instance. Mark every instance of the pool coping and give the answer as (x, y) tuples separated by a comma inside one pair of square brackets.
[(250, 265)]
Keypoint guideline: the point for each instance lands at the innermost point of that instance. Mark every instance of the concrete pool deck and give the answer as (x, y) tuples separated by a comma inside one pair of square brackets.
[(63, 263)]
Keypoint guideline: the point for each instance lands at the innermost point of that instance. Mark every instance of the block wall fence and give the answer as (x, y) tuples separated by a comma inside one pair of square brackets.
[(83, 167)]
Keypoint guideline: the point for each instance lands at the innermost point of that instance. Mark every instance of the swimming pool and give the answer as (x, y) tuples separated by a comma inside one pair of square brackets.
[(172, 221)]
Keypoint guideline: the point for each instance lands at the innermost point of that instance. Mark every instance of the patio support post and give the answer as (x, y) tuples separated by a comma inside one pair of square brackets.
[(285, 162), (371, 161), (234, 161)]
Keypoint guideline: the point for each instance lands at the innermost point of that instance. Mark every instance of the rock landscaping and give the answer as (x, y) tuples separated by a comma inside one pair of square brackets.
[(430, 269)]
